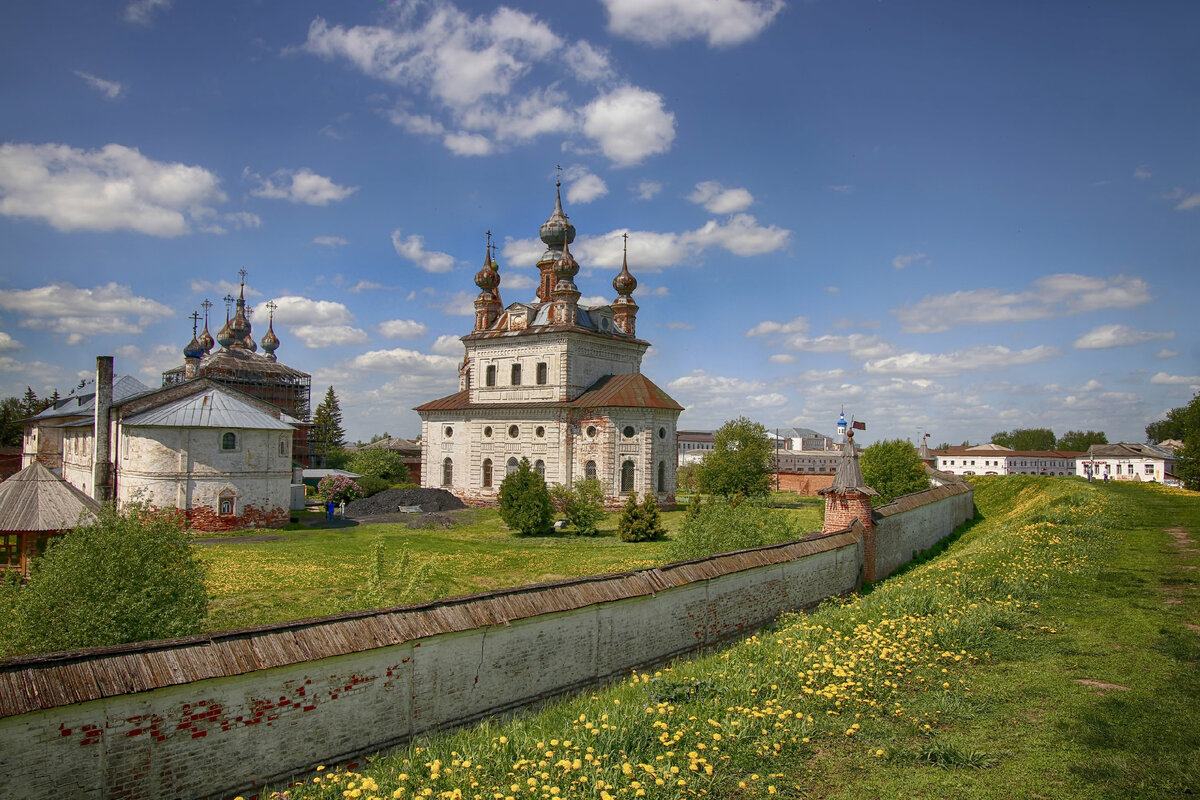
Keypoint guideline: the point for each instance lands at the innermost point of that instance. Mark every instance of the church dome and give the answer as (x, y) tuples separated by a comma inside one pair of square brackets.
[(566, 267), (206, 340), (557, 230), (225, 336), (193, 349), (488, 277), (270, 342), (625, 283)]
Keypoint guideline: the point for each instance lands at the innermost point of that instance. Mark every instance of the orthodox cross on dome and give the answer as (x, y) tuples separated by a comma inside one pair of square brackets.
[(206, 305), (229, 299), (195, 316), (271, 306), (242, 272), (558, 171)]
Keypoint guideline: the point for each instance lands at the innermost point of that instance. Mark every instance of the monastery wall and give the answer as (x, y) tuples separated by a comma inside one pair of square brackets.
[(916, 522), (214, 715)]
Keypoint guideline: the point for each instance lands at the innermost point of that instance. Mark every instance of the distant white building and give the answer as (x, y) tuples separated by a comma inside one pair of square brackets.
[(994, 459), (1129, 462)]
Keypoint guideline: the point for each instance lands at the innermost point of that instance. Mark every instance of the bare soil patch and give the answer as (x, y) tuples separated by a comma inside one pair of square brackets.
[(1101, 684)]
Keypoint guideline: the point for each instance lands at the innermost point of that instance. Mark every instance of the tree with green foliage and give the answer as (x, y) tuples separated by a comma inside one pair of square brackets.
[(740, 461), (326, 434), (1026, 439), (1183, 424), (1080, 441), (893, 468), (685, 479), (11, 414), (640, 522), (128, 576), (525, 501), (582, 505), (378, 462), (717, 526)]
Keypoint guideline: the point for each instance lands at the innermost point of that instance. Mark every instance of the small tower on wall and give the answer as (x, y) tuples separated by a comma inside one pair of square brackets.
[(624, 308), (849, 499), (487, 305)]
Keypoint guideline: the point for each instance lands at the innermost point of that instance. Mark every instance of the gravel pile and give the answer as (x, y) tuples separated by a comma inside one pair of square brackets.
[(389, 501)]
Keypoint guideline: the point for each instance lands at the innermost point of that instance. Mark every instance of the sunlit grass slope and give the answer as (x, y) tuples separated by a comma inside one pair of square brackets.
[(1041, 656)]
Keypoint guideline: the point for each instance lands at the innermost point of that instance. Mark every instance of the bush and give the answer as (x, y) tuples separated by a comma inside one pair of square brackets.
[(378, 462), (127, 577), (640, 521), (525, 501), (380, 592), (371, 485), (582, 505), (720, 527), (336, 488)]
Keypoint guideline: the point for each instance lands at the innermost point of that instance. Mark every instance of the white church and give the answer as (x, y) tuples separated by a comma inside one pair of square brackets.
[(554, 382)]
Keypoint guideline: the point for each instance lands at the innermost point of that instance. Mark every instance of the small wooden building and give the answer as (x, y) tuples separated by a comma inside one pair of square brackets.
[(35, 505)]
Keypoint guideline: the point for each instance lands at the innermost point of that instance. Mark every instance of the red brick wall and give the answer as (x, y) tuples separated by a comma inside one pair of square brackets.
[(802, 484)]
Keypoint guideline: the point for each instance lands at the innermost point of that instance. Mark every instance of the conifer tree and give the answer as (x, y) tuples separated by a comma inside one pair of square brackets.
[(639, 522), (525, 501), (327, 435)]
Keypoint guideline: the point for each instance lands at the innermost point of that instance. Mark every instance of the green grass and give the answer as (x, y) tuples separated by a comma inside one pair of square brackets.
[(316, 571), (992, 671)]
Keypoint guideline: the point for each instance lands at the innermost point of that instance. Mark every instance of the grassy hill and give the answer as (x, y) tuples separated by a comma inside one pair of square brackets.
[(1051, 652)]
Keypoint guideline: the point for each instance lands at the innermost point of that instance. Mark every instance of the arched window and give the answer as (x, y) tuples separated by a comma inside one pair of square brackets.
[(283, 447), (229, 440), (662, 476), (447, 471), (589, 470), (539, 467), (516, 374), (225, 503), (627, 476), (511, 466), (541, 373), (491, 375), (487, 473)]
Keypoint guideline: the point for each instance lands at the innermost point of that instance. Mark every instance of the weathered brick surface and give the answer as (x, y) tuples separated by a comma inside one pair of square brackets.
[(803, 484), (222, 736)]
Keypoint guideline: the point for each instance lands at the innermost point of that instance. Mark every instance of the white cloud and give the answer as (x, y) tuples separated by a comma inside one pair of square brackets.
[(413, 248), (77, 313), (782, 358), (460, 304), (110, 89), (723, 24), (113, 188), (403, 329), (856, 344), (221, 288), (741, 235), (719, 200), (981, 357), (629, 124), (659, 291), (1165, 379), (330, 241), (299, 186), (680, 326), (700, 381), (1166, 353), (142, 11), (152, 364), (517, 280), (841, 188), (832, 290), (648, 190), (585, 187), (368, 286), (448, 345), (1142, 173), (1107, 336), (8, 343), (772, 328), (902, 261), (469, 67), (294, 310), (316, 337), (401, 360), (467, 144), (1050, 296), (1091, 386), (768, 400), (1189, 202)]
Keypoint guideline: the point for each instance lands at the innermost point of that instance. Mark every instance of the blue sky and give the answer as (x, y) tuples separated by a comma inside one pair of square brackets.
[(950, 217)]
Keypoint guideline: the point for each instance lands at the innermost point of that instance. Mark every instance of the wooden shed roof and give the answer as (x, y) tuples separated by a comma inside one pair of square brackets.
[(35, 499), (29, 683)]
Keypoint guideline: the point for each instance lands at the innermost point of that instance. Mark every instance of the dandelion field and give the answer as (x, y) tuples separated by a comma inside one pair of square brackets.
[(314, 572), (1047, 653)]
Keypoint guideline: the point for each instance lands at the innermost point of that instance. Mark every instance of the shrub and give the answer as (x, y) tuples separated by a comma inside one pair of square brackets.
[(371, 485), (127, 577), (582, 505), (525, 501), (719, 527), (336, 488), (639, 521), (378, 591)]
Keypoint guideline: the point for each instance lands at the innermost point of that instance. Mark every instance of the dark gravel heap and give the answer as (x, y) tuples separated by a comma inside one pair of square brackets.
[(389, 501)]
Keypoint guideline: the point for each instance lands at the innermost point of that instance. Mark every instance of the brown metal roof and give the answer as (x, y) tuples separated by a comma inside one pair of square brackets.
[(610, 391), (29, 683), (35, 499)]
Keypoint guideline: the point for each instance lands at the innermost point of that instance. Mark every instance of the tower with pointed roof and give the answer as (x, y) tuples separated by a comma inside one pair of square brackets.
[(553, 381), (238, 363)]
